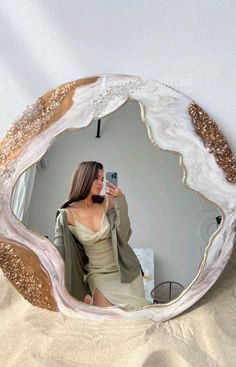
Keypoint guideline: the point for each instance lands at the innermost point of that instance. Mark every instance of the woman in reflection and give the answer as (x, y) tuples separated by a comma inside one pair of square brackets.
[(91, 234)]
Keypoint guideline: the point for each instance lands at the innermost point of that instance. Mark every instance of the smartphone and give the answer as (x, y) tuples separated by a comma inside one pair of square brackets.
[(112, 177)]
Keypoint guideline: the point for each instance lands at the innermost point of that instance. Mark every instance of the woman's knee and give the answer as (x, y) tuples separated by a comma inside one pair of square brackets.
[(88, 299)]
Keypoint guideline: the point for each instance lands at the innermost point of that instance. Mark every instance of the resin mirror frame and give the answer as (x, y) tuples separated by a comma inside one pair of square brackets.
[(174, 123)]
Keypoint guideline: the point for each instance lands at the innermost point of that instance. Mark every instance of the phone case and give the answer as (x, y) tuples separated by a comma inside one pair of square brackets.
[(112, 177)]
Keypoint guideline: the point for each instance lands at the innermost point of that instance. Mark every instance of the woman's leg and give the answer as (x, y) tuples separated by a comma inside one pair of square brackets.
[(88, 299), (98, 299)]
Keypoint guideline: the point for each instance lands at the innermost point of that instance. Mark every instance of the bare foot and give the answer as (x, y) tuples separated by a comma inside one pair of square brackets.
[(88, 299)]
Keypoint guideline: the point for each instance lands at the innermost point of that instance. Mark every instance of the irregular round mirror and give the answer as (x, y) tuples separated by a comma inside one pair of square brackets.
[(170, 225), (180, 197)]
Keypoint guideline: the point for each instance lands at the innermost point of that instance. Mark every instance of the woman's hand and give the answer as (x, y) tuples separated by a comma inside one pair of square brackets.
[(112, 190)]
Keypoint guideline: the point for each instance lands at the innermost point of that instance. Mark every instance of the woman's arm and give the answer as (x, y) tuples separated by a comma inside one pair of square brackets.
[(119, 203), (122, 221), (58, 237)]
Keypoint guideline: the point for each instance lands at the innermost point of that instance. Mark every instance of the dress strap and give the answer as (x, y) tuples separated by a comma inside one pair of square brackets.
[(71, 210)]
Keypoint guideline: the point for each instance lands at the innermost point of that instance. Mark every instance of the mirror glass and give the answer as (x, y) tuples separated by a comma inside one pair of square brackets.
[(171, 224)]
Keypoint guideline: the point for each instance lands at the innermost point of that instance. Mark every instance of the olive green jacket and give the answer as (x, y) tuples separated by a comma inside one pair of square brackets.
[(75, 259)]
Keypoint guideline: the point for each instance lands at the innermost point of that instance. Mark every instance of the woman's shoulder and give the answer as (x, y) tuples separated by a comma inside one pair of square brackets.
[(67, 215)]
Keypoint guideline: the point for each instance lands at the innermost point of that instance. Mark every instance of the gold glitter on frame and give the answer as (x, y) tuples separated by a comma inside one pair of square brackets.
[(23, 270), (214, 141), (37, 117)]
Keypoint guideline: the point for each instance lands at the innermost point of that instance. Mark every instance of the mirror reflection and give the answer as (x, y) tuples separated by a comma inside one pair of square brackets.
[(130, 233)]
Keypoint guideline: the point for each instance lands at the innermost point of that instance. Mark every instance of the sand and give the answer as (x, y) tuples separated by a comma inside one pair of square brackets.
[(203, 336)]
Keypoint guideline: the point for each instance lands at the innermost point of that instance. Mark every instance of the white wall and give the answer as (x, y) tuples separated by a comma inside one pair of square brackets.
[(190, 44), (164, 214)]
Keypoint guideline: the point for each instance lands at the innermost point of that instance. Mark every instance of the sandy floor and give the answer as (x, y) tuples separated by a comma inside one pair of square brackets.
[(204, 336)]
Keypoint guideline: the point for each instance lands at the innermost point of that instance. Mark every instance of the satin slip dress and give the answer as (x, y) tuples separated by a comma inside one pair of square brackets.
[(103, 272)]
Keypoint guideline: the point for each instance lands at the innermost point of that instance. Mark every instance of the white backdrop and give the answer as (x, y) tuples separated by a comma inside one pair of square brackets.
[(188, 44)]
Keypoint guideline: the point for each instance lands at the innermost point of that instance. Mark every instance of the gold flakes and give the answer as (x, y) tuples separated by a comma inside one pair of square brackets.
[(214, 141), (37, 117), (18, 265), (21, 266)]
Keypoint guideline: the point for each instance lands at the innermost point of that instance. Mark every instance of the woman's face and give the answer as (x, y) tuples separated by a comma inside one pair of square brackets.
[(97, 184)]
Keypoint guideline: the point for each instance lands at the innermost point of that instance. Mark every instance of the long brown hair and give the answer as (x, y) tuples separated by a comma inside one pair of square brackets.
[(81, 183)]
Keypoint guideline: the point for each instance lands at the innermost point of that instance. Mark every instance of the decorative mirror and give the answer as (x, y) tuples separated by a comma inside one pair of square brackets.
[(154, 137)]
